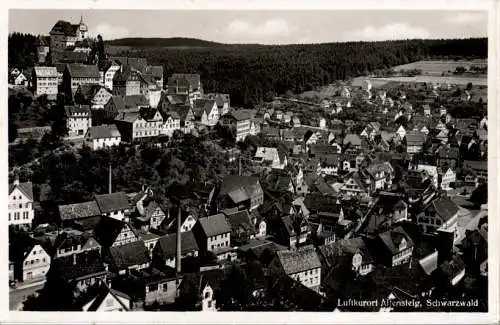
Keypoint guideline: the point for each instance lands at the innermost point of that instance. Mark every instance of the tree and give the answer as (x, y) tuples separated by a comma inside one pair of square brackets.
[(480, 195), (12, 130)]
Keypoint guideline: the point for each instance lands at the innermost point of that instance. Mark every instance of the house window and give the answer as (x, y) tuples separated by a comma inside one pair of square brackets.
[(20, 206), (210, 304), (153, 287), (207, 294)]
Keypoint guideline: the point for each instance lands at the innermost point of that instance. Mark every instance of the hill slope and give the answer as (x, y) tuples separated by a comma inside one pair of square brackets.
[(162, 42)]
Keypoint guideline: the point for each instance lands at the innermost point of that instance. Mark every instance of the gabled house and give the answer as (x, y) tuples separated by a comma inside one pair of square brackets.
[(351, 253), (242, 228), (83, 212), (126, 81), (79, 74), (290, 230), (108, 69), (239, 121), (171, 122), (148, 214), (394, 247), (124, 258), (102, 136), (447, 178), (31, 261), (164, 252), (401, 132), (20, 204), (114, 205), (270, 156), (206, 111), (353, 185), (73, 245), (213, 234), (185, 84), (44, 81), (414, 142), (440, 215), (302, 265), (113, 233), (108, 299), (380, 175), (240, 191)]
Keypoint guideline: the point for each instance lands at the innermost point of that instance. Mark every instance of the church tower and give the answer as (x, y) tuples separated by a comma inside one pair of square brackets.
[(83, 31)]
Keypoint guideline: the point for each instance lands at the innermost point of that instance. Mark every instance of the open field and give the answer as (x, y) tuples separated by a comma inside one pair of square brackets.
[(438, 67), (462, 81)]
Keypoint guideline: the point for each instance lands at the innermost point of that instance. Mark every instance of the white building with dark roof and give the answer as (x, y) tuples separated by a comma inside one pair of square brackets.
[(20, 206), (213, 233), (102, 136), (302, 265), (44, 81)]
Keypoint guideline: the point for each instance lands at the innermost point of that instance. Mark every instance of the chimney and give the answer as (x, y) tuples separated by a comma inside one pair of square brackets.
[(110, 180), (16, 181), (239, 166), (178, 246)]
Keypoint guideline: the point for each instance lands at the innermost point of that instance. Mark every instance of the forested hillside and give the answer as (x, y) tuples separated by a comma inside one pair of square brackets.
[(22, 50), (249, 71), (163, 42)]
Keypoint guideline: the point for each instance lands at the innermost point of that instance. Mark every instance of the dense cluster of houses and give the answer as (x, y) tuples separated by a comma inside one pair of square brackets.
[(339, 200)]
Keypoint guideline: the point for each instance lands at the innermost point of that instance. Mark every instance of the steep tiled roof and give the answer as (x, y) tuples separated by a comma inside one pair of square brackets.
[(214, 225), (242, 114), (79, 210), (429, 263), (104, 290), (118, 102), (168, 244), (108, 229), (240, 219), (201, 105), (137, 63), (392, 239), (83, 71), (112, 202), (445, 208), (103, 131), (77, 110), (302, 259), (46, 72), (134, 101), (134, 253), (234, 183), (25, 187)]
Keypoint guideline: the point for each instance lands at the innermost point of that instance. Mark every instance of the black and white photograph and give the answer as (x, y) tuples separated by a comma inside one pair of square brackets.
[(284, 160)]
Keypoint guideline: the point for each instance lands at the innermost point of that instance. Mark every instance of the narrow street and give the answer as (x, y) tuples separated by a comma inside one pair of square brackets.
[(18, 296)]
